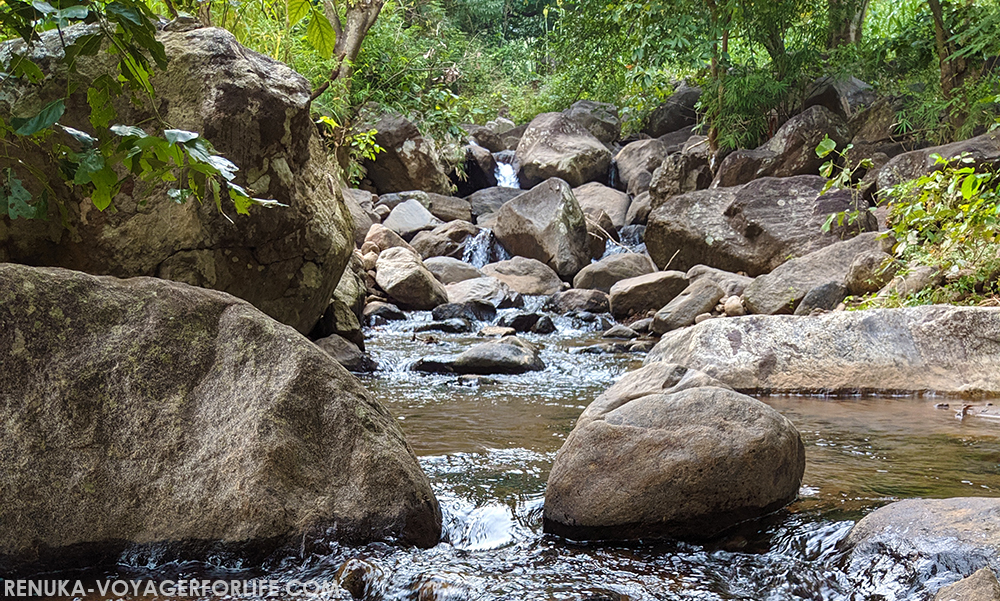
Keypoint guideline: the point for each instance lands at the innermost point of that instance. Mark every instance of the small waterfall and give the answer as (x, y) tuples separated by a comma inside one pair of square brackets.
[(506, 172), (483, 249)]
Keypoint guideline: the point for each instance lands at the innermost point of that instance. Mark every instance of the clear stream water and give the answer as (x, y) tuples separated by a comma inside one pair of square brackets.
[(488, 448)]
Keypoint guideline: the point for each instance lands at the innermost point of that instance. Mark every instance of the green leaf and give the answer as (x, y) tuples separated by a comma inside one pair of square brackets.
[(825, 147), (124, 14), (43, 120), (179, 136), (43, 7), (105, 181), (297, 10), (82, 137), (320, 34), (16, 201), (128, 131), (22, 67), (968, 186), (80, 11), (88, 163)]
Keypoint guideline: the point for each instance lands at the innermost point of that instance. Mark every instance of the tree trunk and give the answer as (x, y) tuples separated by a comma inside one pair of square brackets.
[(847, 19), (953, 71), (351, 32)]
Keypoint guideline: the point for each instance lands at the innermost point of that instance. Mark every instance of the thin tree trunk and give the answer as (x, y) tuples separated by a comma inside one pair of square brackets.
[(351, 32), (847, 19)]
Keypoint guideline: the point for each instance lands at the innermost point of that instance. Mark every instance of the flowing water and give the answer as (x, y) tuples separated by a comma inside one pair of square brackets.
[(506, 172), (487, 449)]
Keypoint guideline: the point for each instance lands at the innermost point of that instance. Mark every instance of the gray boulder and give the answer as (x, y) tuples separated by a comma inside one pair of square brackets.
[(870, 272), (752, 228), (984, 150), (484, 289), (362, 208), (676, 113), (638, 211), (381, 238), (402, 275), (639, 157), (599, 118), (508, 355), (449, 271), (844, 96), (944, 349), (126, 403), (733, 284), (650, 292), (607, 272), (410, 161), (698, 298), (445, 208), (591, 301), (546, 224), (595, 197), (490, 200), (409, 218), (556, 146), (666, 454), (343, 315), (782, 290), (525, 276), (347, 354), (448, 240), (792, 150), (255, 111), (981, 586), (681, 172)]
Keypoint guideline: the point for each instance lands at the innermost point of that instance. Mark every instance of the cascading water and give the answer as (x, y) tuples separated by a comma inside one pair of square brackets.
[(483, 249), (506, 172)]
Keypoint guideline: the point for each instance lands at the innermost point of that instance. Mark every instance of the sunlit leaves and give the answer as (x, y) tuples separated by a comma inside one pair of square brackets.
[(297, 10), (320, 34), (27, 126)]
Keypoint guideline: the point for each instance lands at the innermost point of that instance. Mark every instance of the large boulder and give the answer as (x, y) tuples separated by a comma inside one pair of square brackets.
[(783, 289), (449, 270), (599, 118), (361, 205), (844, 96), (479, 172), (667, 452), (792, 150), (981, 586), (751, 228), (127, 403), (255, 111), (607, 272), (344, 313), (699, 297), (676, 113), (556, 146), (984, 151), (650, 292), (488, 201), (410, 161), (912, 548), (681, 172), (546, 224), (381, 238), (402, 275), (508, 355), (483, 288), (445, 208), (639, 158), (596, 197), (410, 218), (526, 276), (944, 349), (448, 240)]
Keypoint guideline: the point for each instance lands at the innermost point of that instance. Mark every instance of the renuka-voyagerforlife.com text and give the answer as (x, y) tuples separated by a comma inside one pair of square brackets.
[(169, 588)]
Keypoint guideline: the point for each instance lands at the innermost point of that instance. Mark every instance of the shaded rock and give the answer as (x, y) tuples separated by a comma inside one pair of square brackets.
[(824, 297), (382, 238), (402, 275), (600, 230), (409, 218), (681, 172), (508, 355), (981, 586), (641, 156), (984, 150), (752, 228), (484, 136), (638, 211), (664, 454), (343, 314), (950, 350), (781, 290), (592, 301), (490, 200), (526, 276), (598, 197), (521, 321), (445, 208), (607, 272), (347, 354), (480, 172), (496, 331), (473, 310), (544, 325), (512, 138), (642, 325), (841, 96), (410, 160), (455, 325), (255, 112), (733, 284), (676, 113), (621, 331), (636, 296), (383, 311), (546, 224), (599, 118), (792, 150), (448, 240), (870, 272), (917, 546), (556, 146), (916, 279), (362, 209), (449, 270), (166, 391), (486, 289), (699, 297)]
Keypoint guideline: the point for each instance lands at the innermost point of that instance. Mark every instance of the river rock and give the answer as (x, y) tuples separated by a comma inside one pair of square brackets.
[(480, 172), (591, 301), (343, 314), (125, 403), (638, 211), (361, 205), (256, 112), (912, 548), (681, 172), (598, 197), (783, 289), (752, 228), (650, 292), (664, 453), (455, 325), (473, 310), (526, 276), (641, 156), (870, 271), (556, 146), (377, 310), (382, 238), (698, 298), (409, 218), (944, 349), (509, 355), (449, 271), (981, 586), (732, 283), (445, 208), (347, 354), (410, 161), (984, 150), (402, 275), (546, 224), (843, 96), (620, 331), (490, 200), (486, 289), (824, 297), (674, 114), (607, 272), (599, 118), (792, 150), (448, 240)]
